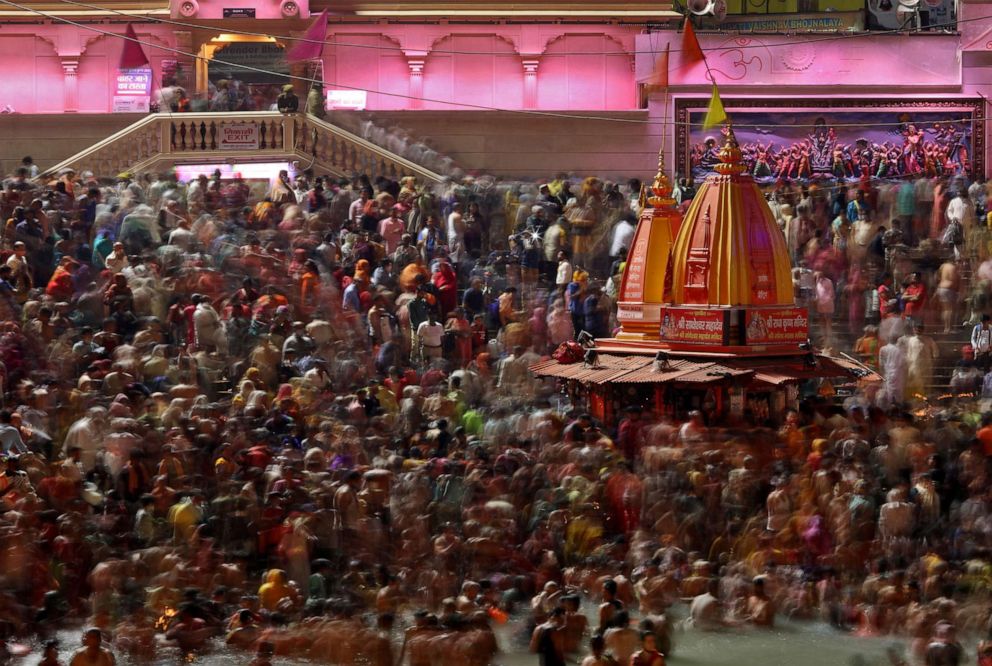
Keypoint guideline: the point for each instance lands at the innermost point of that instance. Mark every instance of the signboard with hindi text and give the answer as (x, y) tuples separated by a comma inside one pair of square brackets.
[(132, 90), (776, 326), (239, 136), (695, 326), (134, 82)]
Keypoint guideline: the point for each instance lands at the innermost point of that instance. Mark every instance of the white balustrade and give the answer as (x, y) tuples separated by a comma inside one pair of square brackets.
[(162, 140)]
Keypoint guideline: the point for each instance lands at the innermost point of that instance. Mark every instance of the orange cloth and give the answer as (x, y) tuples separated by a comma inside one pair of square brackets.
[(985, 437), (408, 276)]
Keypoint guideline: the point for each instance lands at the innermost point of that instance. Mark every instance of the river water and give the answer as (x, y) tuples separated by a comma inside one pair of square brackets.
[(789, 644)]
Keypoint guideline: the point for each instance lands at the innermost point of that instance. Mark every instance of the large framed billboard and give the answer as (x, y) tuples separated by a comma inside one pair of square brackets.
[(838, 139)]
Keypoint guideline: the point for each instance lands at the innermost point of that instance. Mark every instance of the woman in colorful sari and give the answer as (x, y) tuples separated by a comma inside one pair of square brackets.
[(447, 285)]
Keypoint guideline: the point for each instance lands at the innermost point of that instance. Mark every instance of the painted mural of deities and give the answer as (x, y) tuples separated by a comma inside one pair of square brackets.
[(842, 146)]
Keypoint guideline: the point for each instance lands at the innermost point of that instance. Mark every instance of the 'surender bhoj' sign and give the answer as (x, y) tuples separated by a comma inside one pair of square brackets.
[(695, 326), (776, 326), (240, 136), (791, 23)]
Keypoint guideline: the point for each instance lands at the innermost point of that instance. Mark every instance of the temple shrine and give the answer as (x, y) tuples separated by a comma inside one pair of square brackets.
[(707, 312)]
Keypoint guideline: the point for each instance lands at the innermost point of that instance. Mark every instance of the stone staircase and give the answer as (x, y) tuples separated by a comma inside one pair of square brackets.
[(160, 141), (949, 344)]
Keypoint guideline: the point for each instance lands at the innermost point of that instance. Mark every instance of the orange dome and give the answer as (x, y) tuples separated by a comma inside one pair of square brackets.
[(642, 289), (729, 251)]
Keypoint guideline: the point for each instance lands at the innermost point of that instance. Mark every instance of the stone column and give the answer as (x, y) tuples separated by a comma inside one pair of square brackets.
[(416, 66), (70, 74), (530, 83)]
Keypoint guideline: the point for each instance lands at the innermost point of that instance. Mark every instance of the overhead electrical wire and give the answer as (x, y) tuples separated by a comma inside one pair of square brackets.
[(481, 107), (292, 38)]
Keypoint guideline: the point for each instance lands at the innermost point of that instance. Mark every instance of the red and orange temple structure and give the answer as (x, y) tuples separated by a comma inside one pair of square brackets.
[(707, 312)]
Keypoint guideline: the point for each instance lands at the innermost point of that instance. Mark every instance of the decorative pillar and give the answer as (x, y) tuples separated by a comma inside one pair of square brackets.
[(416, 66), (70, 74), (530, 83)]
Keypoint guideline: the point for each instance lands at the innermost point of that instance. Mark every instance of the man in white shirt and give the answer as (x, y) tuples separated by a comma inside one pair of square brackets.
[(564, 273), (623, 235), (962, 210), (554, 241), (117, 260), (456, 234), (430, 334)]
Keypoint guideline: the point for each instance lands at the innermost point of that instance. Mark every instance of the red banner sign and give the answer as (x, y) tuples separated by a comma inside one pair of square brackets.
[(777, 326), (694, 327)]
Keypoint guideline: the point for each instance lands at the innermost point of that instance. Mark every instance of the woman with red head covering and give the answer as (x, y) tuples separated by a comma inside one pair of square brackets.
[(447, 286), (363, 271)]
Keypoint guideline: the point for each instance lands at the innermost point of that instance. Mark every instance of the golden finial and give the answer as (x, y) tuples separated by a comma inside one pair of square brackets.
[(661, 188), (730, 156)]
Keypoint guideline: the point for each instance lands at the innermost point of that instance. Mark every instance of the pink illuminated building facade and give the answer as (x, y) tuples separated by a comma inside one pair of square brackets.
[(445, 64)]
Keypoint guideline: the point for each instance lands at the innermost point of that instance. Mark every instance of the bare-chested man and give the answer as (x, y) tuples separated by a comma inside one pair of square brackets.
[(610, 606), (597, 653), (621, 639), (948, 288), (93, 653), (576, 624), (760, 609), (548, 639), (347, 507)]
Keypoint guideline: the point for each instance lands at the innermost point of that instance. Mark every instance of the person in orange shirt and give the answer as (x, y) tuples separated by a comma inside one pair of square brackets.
[(984, 435), (60, 285), (309, 285)]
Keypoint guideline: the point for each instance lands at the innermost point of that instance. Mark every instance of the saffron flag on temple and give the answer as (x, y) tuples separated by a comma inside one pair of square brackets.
[(133, 56), (659, 77), (715, 114), (692, 53), (311, 45)]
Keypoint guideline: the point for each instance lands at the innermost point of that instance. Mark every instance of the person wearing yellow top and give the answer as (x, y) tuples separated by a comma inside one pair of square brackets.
[(274, 590), (184, 516)]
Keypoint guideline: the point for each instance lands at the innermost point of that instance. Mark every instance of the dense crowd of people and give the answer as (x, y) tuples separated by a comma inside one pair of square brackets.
[(296, 418)]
